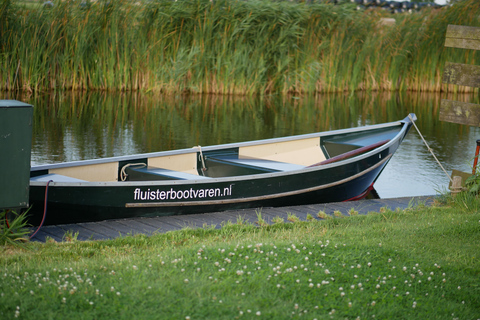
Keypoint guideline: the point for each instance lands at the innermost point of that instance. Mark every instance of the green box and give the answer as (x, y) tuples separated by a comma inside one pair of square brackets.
[(15, 149)]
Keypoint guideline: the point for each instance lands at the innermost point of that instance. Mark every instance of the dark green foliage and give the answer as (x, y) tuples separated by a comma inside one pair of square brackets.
[(226, 47), (13, 228)]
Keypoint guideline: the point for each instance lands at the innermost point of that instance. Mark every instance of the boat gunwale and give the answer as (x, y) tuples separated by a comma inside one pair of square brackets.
[(405, 124), (258, 176), (213, 147)]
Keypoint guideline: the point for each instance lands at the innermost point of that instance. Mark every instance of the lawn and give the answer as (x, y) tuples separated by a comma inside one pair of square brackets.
[(420, 263)]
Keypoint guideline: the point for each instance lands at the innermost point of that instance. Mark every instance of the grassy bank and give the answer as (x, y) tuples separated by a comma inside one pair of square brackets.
[(226, 47), (421, 263)]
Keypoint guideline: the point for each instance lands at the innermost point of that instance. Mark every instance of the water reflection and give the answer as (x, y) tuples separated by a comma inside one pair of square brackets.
[(71, 126)]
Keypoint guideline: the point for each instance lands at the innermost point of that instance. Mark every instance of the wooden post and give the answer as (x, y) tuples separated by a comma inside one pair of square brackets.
[(456, 187), (462, 37)]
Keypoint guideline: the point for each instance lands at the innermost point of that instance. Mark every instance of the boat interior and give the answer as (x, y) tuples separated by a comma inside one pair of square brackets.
[(248, 159)]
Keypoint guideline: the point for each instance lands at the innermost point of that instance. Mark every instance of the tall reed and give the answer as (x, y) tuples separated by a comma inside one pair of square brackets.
[(226, 47)]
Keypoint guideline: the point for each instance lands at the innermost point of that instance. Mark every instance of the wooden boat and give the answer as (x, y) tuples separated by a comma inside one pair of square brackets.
[(321, 167)]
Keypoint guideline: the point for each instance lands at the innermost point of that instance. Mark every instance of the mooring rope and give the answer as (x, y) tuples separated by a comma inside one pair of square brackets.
[(123, 173), (203, 161), (429, 149)]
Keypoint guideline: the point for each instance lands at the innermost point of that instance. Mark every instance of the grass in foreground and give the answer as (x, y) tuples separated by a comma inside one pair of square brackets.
[(421, 263)]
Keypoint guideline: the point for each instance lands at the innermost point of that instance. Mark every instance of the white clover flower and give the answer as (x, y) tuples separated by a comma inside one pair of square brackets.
[(258, 313)]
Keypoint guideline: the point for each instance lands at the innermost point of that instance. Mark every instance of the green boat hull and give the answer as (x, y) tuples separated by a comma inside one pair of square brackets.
[(341, 180)]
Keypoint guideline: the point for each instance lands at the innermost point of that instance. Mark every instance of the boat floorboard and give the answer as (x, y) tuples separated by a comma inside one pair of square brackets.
[(111, 229)]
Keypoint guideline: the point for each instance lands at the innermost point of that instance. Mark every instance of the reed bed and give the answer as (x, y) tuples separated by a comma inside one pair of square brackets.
[(226, 47)]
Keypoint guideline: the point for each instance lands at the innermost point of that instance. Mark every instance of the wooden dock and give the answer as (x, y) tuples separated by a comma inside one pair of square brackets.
[(111, 229)]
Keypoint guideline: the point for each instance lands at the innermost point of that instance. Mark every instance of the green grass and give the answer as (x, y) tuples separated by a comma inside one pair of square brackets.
[(226, 47), (421, 263)]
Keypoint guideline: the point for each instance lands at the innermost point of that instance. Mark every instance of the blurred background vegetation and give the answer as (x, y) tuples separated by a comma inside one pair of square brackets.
[(227, 46)]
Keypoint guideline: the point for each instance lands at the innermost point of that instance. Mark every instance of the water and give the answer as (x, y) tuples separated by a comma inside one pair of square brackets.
[(71, 127)]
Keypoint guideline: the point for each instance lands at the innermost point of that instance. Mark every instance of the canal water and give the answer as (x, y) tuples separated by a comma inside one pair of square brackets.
[(80, 126)]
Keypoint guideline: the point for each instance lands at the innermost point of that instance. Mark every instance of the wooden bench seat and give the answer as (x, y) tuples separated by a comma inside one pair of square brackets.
[(227, 166), (137, 173), (261, 163)]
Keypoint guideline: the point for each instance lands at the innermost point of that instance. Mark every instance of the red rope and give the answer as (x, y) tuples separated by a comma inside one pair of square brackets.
[(44, 210), (6, 218)]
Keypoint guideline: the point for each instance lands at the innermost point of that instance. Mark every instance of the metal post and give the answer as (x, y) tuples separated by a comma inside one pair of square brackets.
[(475, 161)]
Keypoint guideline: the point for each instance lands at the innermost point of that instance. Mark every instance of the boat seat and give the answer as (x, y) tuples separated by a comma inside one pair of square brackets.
[(153, 173), (261, 163), (55, 178), (225, 166)]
